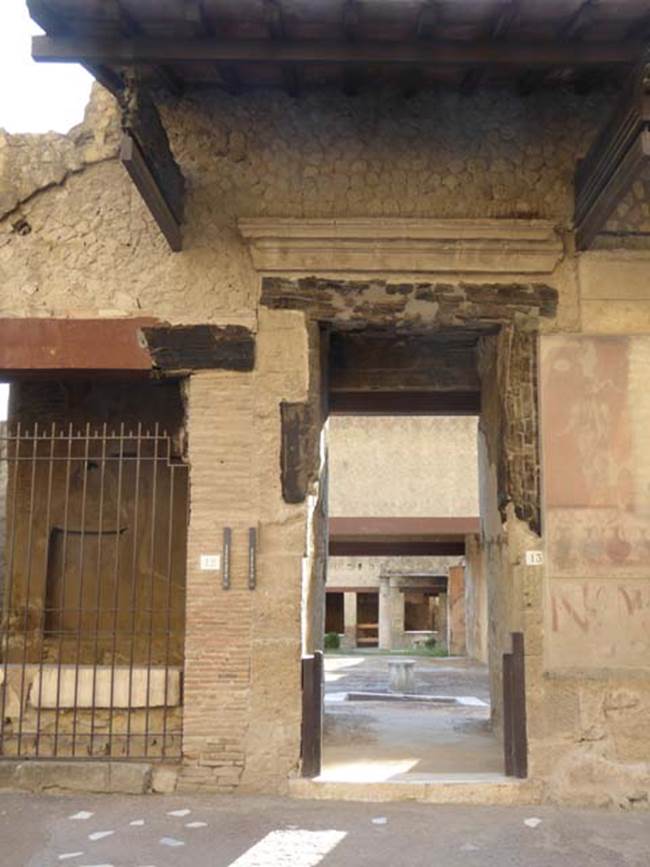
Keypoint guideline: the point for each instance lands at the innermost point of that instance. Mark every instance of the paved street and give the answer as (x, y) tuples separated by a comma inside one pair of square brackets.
[(156, 831)]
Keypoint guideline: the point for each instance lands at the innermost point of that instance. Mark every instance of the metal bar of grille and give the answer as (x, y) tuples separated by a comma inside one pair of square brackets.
[(98, 582), (93, 592)]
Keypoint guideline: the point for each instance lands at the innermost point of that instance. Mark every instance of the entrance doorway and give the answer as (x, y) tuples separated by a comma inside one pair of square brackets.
[(413, 680)]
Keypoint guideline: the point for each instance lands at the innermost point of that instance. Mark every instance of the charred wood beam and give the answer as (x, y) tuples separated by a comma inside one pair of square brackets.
[(136, 51), (176, 348), (615, 160), (298, 451), (396, 403), (147, 156)]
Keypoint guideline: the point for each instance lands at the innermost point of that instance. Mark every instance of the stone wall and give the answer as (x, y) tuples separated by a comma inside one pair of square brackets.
[(76, 240), (491, 155)]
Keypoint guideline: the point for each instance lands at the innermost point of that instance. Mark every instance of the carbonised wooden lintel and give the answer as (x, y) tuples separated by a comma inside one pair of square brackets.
[(120, 346), (200, 347), (405, 403)]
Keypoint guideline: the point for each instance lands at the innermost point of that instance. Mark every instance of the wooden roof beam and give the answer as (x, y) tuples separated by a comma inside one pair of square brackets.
[(147, 157), (53, 23), (618, 157), (82, 49)]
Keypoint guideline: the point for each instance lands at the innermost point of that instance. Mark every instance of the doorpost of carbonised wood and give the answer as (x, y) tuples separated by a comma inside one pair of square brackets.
[(515, 738), (506, 673), (312, 713)]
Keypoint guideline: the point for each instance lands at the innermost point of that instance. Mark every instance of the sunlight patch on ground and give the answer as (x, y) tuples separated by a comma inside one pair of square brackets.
[(366, 772), (336, 663), (290, 849)]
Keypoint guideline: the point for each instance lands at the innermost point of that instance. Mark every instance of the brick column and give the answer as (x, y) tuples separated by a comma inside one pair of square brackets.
[(242, 699)]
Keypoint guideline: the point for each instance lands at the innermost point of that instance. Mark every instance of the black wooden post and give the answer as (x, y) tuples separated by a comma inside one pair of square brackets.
[(515, 737), (508, 735), (520, 743), (312, 713)]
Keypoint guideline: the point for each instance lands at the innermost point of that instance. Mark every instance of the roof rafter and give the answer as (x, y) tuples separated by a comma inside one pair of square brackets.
[(79, 49)]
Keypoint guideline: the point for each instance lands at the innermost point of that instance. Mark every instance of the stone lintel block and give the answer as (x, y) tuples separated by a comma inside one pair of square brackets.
[(404, 245)]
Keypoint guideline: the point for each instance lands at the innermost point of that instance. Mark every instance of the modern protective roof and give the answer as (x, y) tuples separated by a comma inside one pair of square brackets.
[(236, 44)]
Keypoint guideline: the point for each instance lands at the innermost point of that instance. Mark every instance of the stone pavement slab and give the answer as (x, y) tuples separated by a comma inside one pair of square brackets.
[(240, 831)]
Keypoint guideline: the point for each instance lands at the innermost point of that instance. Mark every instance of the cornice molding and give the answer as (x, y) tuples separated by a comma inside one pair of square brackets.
[(403, 245)]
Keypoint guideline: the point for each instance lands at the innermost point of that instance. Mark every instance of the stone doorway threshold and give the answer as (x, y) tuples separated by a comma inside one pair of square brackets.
[(479, 789)]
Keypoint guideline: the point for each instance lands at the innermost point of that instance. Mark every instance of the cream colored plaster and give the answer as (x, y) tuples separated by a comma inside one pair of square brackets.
[(396, 466)]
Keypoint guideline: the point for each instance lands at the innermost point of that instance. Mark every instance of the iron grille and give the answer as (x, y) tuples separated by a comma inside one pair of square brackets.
[(93, 527)]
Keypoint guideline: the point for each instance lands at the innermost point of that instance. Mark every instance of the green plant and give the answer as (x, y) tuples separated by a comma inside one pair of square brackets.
[(436, 650), (430, 643), (332, 641)]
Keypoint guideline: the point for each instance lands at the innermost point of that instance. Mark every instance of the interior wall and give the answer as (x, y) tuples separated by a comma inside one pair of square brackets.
[(476, 600), (403, 466)]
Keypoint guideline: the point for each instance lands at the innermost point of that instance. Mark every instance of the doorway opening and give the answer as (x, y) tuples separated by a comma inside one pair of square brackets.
[(412, 639)]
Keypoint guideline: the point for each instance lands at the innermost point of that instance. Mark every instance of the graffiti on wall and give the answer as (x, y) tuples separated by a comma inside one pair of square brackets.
[(595, 411), (594, 623)]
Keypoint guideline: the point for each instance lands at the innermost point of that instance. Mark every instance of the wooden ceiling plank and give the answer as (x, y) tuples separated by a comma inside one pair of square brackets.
[(75, 49)]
